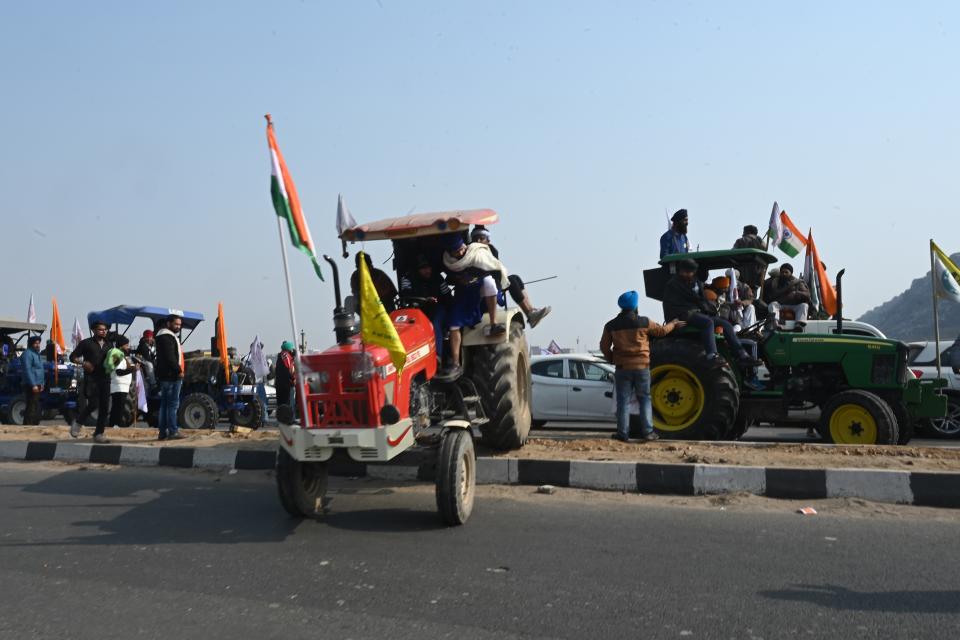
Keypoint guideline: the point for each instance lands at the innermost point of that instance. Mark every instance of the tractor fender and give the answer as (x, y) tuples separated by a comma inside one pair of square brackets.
[(456, 424), (475, 336)]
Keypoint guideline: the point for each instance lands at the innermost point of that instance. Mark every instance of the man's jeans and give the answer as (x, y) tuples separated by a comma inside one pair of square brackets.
[(628, 383), (169, 403), (707, 325)]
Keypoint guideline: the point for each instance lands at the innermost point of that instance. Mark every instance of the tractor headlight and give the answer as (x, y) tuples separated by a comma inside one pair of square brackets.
[(361, 367)]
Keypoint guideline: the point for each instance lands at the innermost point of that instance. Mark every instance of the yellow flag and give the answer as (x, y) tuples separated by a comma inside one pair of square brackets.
[(947, 276), (376, 327)]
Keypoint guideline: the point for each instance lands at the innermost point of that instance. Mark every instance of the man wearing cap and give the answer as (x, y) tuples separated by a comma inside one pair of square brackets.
[(787, 292), (684, 299), (169, 371), (517, 289), (751, 273), (33, 379), (626, 343), (91, 353), (430, 286), (675, 239)]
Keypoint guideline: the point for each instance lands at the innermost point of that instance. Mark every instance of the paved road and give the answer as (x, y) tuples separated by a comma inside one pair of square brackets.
[(128, 553), (574, 430)]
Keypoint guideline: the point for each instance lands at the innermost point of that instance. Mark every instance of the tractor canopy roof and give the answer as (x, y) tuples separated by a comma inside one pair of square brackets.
[(723, 259), (419, 224), (8, 326), (126, 314)]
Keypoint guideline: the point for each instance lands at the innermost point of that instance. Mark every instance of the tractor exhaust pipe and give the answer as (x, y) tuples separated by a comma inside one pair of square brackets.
[(840, 301), (344, 322)]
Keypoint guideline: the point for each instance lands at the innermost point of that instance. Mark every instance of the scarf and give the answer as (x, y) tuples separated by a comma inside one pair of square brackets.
[(478, 256), (113, 358)]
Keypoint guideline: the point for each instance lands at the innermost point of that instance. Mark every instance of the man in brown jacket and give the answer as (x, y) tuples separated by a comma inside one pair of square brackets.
[(626, 343)]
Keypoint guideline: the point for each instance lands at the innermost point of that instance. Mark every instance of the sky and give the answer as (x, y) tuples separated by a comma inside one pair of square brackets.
[(134, 166)]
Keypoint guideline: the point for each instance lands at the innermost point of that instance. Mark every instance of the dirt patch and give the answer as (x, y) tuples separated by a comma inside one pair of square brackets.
[(145, 437), (744, 454)]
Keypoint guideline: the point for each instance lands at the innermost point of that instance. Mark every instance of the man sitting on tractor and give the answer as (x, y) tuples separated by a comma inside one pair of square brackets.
[(426, 283), (517, 290), (789, 293), (381, 281), (684, 299)]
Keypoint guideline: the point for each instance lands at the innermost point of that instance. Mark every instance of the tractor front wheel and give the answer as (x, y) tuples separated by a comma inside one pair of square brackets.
[(456, 477), (858, 417), (250, 416), (198, 411), (301, 485)]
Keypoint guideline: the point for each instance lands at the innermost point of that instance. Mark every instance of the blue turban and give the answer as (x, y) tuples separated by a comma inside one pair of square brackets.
[(453, 242), (629, 300)]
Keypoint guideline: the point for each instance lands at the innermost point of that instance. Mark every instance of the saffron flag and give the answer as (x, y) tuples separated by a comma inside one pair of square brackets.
[(947, 276), (828, 295), (792, 241), (56, 330), (287, 202), (31, 312), (376, 327), (221, 330)]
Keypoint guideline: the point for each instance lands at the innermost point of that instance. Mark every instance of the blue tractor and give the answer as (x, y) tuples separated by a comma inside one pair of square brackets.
[(207, 394), (59, 395)]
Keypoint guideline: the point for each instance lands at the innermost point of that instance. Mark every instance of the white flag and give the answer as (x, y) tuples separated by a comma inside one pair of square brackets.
[(947, 286), (77, 334), (344, 217), (257, 360), (31, 312), (141, 393), (554, 347), (775, 230)]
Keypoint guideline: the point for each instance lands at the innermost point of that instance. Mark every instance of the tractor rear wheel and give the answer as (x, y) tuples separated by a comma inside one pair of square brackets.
[(250, 416), (301, 485), (456, 477), (692, 399), (501, 374), (858, 417), (198, 411)]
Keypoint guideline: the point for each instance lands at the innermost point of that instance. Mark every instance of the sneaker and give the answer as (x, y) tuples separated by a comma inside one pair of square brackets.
[(176, 435), (537, 315), (75, 429), (162, 437), (619, 436), (650, 437), (99, 438), (754, 384), (449, 374), (497, 330), (746, 360)]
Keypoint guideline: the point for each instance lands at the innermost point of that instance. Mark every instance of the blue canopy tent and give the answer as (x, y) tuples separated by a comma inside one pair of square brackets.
[(126, 314)]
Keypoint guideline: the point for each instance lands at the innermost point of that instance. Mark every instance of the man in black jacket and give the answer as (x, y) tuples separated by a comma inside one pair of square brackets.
[(683, 299), (169, 372), (91, 352), (751, 273)]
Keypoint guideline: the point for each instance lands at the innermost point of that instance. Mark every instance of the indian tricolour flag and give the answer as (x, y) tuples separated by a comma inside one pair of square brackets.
[(791, 241), (287, 202)]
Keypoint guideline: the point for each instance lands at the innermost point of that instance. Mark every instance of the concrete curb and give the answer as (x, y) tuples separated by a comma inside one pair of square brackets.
[(926, 488)]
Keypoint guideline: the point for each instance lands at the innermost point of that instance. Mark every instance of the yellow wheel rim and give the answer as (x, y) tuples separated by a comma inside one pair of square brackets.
[(852, 424), (677, 397)]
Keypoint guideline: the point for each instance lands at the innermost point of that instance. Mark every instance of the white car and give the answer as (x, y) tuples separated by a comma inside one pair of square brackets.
[(923, 363), (850, 328), (571, 387)]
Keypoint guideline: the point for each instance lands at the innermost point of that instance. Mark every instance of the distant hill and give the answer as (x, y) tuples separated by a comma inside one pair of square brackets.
[(909, 315)]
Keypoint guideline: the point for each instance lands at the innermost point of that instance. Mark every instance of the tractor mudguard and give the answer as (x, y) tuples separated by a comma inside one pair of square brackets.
[(924, 399), (474, 336)]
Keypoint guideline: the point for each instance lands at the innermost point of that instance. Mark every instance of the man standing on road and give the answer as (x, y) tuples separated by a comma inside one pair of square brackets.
[(286, 379), (675, 239), (626, 343), (169, 372), (91, 352), (33, 380)]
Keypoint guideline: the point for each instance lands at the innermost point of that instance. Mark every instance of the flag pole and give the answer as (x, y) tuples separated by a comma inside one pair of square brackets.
[(936, 311), (301, 396)]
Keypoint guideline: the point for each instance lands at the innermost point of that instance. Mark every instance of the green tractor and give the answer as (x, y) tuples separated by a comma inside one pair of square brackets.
[(854, 389)]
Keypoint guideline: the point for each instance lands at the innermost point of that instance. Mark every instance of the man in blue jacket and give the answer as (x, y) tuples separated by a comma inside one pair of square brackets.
[(33, 380)]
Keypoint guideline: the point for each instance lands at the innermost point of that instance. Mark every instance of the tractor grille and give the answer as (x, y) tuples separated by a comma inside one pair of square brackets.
[(884, 370), (368, 453), (348, 412)]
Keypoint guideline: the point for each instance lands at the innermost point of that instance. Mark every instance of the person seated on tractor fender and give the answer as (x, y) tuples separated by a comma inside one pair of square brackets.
[(625, 342), (475, 262), (787, 292), (465, 311), (121, 373), (424, 282), (683, 299), (381, 281), (752, 272), (738, 310), (517, 289)]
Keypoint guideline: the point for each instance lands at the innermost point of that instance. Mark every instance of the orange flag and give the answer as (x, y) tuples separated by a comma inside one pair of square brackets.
[(828, 295), (222, 343), (56, 330)]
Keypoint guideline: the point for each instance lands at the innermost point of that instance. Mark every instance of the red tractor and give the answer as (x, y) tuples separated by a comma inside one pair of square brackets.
[(357, 405)]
